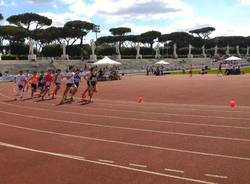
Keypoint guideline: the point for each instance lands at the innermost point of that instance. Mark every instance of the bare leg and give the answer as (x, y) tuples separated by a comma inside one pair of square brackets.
[(65, 93), (55, 91), (45, 92)]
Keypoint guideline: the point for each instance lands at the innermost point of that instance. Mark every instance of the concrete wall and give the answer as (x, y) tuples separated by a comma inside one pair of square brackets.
[(13, 66)]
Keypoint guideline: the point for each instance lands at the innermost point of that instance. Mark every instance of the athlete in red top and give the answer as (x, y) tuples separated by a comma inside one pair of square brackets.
[(191, 70), (48, 79)]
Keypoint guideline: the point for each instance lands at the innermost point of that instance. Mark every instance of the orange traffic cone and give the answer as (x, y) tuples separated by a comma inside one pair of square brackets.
[(232, 103), (140, 99)]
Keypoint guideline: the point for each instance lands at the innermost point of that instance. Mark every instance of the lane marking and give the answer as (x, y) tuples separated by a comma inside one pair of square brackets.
[(129, 144), (106, 161), (127, 128), (166, 104), (127, 103), (174, 170), (141, 107), (216, 176), (104, 164), (137, 165), (124, 118), (173, 114)]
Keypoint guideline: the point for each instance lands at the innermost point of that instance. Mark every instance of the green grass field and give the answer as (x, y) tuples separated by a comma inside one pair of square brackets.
[(212, 71)]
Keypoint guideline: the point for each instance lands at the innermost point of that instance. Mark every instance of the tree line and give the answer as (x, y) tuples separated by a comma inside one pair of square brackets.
[(49, 38)]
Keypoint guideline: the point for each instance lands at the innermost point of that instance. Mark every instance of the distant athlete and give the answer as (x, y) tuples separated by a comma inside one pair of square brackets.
[(91, 78), (27, 78), (70, 85), (33, 83), (191, 70), (77, 77), (48, 79), (20, 82), (41, 82), (58, 81), (220, 69)]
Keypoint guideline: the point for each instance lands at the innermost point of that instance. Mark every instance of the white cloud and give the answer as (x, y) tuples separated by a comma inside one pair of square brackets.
[(124, 12), (60, 19), (39, 1), (245, 2), (189, 23), (4, 4), (130, 9)]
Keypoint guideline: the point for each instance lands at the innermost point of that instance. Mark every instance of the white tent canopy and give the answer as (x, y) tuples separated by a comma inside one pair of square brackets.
[(107, 61), (162, 63), (233, 58)]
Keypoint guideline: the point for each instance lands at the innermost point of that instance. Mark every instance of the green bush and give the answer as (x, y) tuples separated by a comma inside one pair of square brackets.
[(9, 57), (78, 50), (128, 51), (19, 49), (23, 57), (106, 51), (52, 51)]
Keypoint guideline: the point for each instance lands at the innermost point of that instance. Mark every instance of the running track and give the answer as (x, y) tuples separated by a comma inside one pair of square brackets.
[(184, 132)]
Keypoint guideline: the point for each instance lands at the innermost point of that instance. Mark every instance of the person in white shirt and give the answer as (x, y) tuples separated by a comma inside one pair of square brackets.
[(20, 82), (70, 85)]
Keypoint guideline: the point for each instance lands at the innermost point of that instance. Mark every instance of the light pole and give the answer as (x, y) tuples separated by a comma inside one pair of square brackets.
[(96, 30)]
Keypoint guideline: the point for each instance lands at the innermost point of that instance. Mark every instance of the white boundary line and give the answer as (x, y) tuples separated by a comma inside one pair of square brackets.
[(174, 170), (216, 176), (126, 128), (168, 114), (166, 104), (101, 163), (125, 118), (129, 144), (164, 113)]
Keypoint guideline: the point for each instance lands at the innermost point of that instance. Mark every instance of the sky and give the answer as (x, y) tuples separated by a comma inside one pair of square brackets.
[(229, 17)]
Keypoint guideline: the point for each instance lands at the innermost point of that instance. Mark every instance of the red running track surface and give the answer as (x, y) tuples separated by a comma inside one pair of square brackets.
[(183, 132)]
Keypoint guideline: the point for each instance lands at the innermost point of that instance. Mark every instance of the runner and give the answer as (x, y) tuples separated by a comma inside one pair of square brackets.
[(77, 77), (220, 69), (91, 78), (20, 82), (33, 82), (58, 81), (41, 83), (48, 79), (191, 70), (27, 78), (70, 85)]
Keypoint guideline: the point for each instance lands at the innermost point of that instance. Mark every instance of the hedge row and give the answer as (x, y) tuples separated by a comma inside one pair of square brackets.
[(19, 51)]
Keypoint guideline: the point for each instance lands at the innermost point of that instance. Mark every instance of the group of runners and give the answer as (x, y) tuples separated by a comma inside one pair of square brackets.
[(48, 84)]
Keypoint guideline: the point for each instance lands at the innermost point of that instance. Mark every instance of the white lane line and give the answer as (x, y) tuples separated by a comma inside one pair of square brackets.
[(137, 165), (169, 114), (106, 161), (145, 112), (127, 103), (126, 128), (172, 108), (129, 144), (126, 118), (178, 105), (102, 163), (174, 170), (216, 176)]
